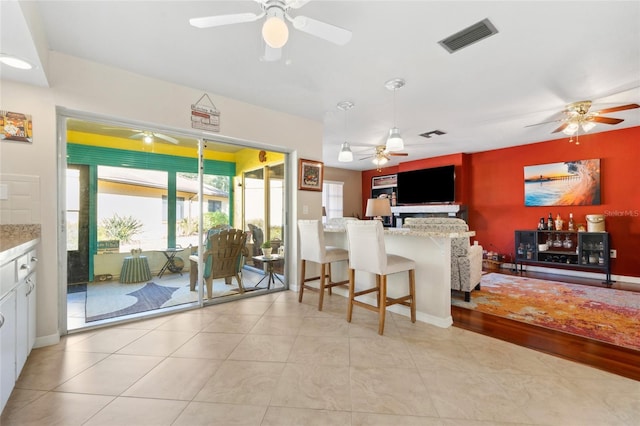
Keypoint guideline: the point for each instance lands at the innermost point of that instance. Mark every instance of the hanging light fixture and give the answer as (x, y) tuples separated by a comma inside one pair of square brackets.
[(394, 140), (345, 154), (147, 138), (274, 30)]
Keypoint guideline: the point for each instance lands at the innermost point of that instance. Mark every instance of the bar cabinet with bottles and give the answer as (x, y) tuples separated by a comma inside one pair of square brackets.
[(588, 251)]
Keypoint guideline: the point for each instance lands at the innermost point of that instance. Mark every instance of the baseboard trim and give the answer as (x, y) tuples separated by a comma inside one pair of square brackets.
[(52, 339)]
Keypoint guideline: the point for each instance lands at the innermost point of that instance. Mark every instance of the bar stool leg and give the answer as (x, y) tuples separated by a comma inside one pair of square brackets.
[(322, 284), (302, 272), (382, 303), (352, 286), (412, 292)]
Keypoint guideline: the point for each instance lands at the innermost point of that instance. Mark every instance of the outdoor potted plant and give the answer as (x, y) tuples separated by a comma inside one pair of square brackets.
[(266, 248)]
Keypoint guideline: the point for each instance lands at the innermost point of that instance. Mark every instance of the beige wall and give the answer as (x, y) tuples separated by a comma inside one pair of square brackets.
[(352, 190), (84, 86)]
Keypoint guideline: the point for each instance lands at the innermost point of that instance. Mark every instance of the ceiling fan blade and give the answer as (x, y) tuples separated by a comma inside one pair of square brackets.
[(137, 136), (561, 128), (544, 122), (605, 120), (325, 31), (297, 4), (618, 108), (398, 154), (166, 138), (272, 54), (367, 157), (218, 20)]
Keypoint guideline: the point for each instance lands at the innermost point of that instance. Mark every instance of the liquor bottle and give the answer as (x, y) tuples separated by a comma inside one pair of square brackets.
[(559, 223), (570, 224), (393, 198), (550, 226), (541, 225)]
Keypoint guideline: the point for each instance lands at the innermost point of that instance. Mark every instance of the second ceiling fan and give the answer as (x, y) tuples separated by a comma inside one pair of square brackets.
[(275, 30)]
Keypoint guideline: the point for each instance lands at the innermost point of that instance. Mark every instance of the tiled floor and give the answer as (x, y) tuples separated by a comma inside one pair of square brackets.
[(272, 361)]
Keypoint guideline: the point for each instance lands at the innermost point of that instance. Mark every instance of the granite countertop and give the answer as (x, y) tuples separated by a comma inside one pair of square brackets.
[(414, 232), (16, 238)]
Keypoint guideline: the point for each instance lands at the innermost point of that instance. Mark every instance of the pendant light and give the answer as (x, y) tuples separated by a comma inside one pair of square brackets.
[(394, 140), (345, 154)]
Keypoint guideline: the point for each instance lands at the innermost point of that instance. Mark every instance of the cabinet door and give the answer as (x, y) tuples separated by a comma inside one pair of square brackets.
[(32, 314), (7, 347)]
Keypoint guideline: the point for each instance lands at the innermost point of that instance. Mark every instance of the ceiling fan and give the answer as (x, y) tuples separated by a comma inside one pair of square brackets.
[(382, 156), (274, 30), (147, 136), (577, 116)]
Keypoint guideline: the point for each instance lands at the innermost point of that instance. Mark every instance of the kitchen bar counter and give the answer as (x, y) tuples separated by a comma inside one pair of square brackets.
[(16, 239), (432, 254)]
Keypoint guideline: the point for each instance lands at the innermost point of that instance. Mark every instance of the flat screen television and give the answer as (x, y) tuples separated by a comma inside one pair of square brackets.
[(433, 185)]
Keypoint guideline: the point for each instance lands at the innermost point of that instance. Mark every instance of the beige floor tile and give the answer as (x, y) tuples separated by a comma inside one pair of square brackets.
[(139, 412), (111, 376), (318, 387), (290, 309), (319, 350), (45, 370), (380, 351), (283, 416), (390, 390), (146, 324), (253, 306), (190, 320), (374, 419), (324, 326), (107, 341), (57, 408), (478, 396), (209, 346), (242, 382), (257, 347), (158, 343), (20, 398), (277, 326), (232, 323), (207, 414), (175, 378)]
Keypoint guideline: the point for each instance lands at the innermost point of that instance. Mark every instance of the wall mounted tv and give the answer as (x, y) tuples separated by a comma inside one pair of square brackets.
[(434, 185)]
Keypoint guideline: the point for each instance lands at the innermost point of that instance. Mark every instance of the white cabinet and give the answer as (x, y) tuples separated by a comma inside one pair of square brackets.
[(25, 320), (7, 346), (17, 316)]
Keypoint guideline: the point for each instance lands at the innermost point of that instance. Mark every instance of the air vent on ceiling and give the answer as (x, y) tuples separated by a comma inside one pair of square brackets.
[(431, 133), (468, 36)]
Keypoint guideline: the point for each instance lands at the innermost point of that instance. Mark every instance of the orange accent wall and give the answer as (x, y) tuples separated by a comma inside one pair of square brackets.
[(491, 185)]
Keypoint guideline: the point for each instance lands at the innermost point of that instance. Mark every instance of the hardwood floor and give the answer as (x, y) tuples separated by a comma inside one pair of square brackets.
[(615, 359)]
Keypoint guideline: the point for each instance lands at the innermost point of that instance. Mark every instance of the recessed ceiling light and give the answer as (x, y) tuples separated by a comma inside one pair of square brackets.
[(15, 62)]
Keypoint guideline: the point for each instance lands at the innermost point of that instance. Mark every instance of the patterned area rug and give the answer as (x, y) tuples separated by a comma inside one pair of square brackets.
[(605, 314)]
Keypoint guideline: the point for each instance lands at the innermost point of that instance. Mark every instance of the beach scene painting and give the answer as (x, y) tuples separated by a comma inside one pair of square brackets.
[(570, 183)]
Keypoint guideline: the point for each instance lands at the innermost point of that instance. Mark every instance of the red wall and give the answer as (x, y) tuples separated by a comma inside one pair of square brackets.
[(491, 185)]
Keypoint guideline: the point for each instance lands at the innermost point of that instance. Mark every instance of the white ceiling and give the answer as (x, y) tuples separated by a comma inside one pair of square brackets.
[(546, 55)]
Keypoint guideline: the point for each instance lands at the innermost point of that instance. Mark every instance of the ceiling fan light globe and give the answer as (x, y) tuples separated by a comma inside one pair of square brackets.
[(588, 125), (345, 155), (275, 32), (147, 139), (394, 141), (570, 129), (380, 160)]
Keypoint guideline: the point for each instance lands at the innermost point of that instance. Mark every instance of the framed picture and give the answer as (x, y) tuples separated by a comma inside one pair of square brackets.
[(310, 175), (570, 183), (15, 126)]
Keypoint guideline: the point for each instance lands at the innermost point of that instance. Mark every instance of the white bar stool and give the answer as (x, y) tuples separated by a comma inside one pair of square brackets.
[(367, 253)]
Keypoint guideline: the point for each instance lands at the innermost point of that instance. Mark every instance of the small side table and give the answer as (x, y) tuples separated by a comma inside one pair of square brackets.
[(135, 270), (170, 254), (270, 275)]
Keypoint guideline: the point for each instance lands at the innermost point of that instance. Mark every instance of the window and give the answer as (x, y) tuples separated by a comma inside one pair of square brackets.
[(214, 206), (332, 199)]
